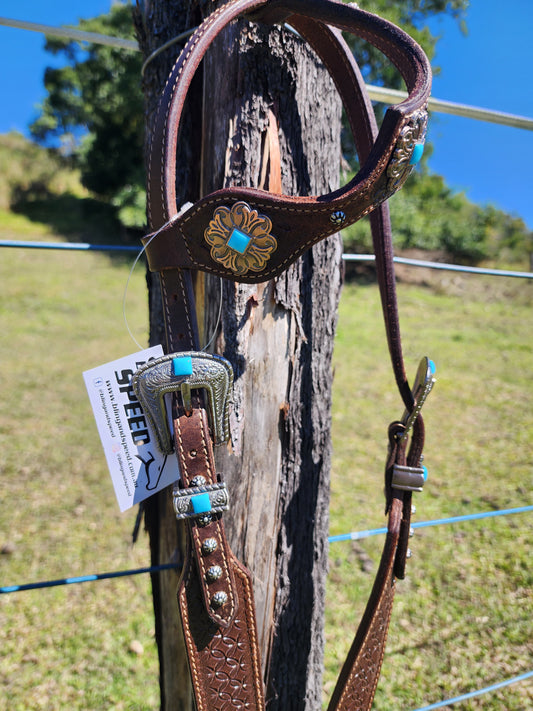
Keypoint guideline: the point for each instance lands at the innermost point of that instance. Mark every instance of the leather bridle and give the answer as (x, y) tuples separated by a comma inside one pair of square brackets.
[(249, 235)]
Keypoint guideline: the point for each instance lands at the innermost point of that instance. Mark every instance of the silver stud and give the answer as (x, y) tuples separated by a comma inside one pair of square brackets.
[(204, 519), (413, 509), (209, 546), (213, 573), (409, 553), (198, 481), (411, 532), (338, 218), (219, 598)]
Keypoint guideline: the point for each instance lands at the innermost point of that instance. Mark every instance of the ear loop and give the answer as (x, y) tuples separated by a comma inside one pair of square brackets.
[(135, 262)]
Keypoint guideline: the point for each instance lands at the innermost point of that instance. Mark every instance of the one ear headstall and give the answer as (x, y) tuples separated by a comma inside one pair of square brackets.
[(250, 235)]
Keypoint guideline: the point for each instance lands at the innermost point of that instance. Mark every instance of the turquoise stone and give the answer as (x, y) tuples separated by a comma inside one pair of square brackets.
[(200, 503), (239, 241), (432, 367), (416, 155), (182, 366), (424, 469)]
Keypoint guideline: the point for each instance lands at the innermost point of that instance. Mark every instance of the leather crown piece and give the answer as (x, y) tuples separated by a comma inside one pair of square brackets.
[(250, 235)]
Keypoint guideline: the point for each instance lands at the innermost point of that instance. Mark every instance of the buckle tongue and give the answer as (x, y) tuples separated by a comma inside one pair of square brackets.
[(182, 372), (424, 382)]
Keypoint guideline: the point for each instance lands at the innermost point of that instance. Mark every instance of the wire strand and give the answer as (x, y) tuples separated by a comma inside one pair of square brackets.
[(332, 539), (390, 96), (479, 692), (358, 535), (218, 319), (135, 262), (71, 33), (85, 247)]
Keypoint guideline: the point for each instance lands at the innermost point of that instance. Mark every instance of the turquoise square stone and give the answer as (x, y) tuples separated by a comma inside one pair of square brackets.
[(200, 503), (417, 153), (238, 241), (182, 366)]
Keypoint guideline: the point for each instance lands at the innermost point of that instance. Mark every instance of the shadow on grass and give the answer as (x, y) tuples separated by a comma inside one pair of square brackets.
[(79, 219)]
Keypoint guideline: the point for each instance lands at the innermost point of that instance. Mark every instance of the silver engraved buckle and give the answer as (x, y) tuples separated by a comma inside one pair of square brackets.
[(424, 382), (201, 502), (183, 372)]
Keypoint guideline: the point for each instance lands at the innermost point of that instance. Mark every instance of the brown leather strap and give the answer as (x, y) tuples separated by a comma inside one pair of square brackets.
[(358, 679), (215, 595), (222, 643)]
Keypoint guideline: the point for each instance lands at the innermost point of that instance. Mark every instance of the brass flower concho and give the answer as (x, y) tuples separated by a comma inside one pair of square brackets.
[(240, 238)]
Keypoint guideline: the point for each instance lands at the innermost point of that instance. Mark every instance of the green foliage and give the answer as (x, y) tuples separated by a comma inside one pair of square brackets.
[(41, 184), (426, 214), (411, 16), (29, 172), (97, 96)]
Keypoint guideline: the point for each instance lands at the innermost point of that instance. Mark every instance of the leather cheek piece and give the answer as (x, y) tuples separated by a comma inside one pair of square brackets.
[(220, 233)]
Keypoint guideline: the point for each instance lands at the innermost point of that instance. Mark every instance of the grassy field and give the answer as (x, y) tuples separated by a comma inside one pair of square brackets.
[(463, 615)]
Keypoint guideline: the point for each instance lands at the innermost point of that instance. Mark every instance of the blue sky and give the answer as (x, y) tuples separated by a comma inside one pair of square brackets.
[(489, 67)]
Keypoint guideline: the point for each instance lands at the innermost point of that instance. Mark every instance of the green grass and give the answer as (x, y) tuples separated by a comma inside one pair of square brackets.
[(69, 647), (462, 618)]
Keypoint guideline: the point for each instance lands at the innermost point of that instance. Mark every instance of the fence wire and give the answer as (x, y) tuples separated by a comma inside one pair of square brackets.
[(87, 247), (378, 93)]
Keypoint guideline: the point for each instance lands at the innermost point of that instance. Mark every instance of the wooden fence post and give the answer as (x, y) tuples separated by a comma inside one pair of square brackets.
[(262, 91)]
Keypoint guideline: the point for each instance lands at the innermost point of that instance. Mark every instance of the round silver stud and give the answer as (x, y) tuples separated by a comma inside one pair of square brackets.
[(209, 546), (213, 573), (198, 481), (204, 519), (219, 598), (409, 553), (338, 218)]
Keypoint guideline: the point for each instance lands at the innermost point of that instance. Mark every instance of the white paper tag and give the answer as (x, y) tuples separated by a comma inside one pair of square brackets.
[(138, 469)]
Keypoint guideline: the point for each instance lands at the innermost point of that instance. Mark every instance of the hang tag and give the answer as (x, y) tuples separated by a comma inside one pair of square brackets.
[(138, 469)]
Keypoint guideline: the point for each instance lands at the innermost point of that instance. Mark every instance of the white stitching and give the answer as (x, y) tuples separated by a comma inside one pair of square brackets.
[(196, 535)]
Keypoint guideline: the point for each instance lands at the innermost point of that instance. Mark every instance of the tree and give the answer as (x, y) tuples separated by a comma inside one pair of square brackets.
[(94, 105), (279, 335)]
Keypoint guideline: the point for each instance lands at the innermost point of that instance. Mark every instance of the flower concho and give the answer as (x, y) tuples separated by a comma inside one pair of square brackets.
[(240, 238)]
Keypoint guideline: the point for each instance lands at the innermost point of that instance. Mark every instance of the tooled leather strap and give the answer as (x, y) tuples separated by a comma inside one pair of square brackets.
[(222, 645), (215, 595), (210, 667)]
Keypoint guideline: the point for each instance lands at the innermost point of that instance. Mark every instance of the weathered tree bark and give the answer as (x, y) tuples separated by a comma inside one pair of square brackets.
[(157, 22), (259, 83)]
